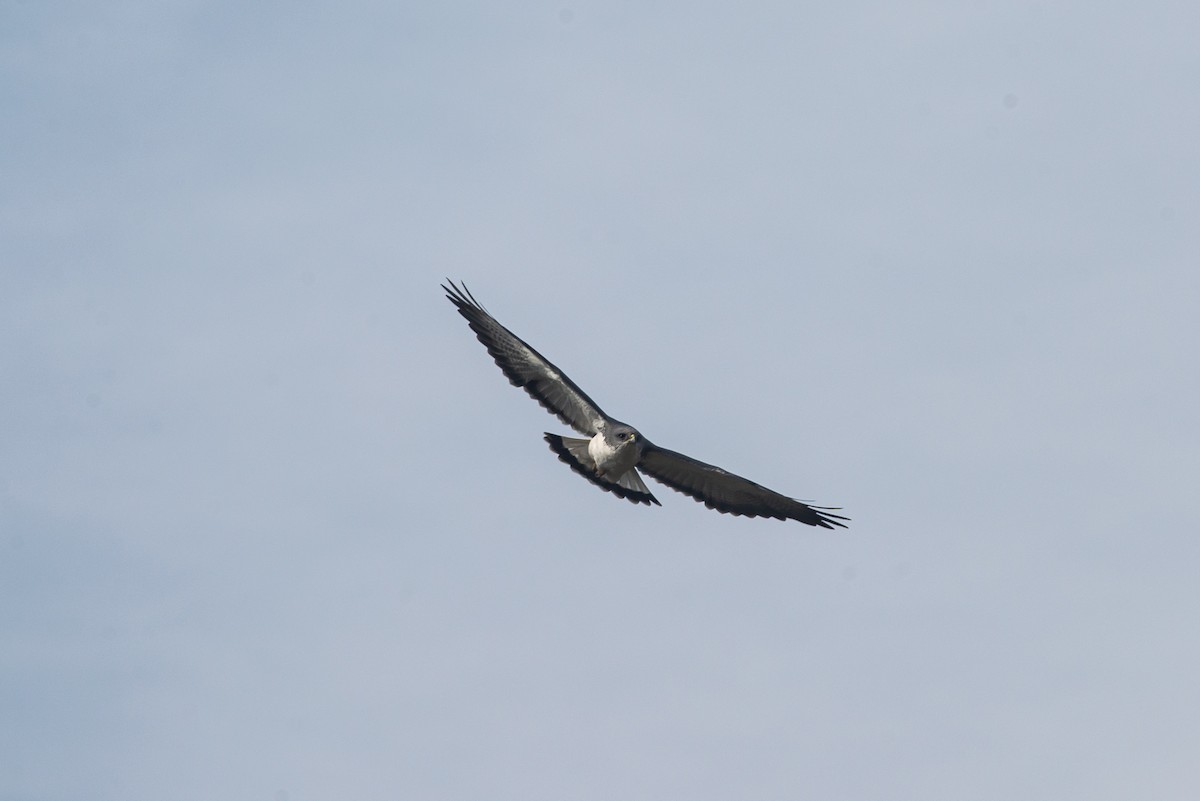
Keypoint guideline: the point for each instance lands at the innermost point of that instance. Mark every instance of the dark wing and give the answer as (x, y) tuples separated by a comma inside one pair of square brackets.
[(526, 368), (725, 492)]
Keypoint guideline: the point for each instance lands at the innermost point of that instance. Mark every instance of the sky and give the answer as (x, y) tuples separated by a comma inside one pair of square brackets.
[(273, 526)]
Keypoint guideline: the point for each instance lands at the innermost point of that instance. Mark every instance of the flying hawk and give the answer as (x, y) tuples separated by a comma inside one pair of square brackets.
[(613, 451)]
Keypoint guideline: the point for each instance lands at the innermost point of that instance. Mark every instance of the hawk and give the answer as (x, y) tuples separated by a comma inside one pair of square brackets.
[(613, 452)]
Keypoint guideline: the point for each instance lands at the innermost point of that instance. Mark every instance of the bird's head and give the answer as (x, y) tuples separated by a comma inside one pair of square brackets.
[(623, 436)]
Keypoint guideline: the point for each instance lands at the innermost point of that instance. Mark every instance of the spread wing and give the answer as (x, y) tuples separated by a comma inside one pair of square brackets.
[(526, 368), (725, 492)]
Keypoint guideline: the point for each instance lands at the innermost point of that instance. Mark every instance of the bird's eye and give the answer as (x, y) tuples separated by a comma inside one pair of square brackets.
[(622, 435)]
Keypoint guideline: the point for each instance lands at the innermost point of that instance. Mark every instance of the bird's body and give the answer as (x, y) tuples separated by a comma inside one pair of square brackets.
[(613, 452), (613, 459)]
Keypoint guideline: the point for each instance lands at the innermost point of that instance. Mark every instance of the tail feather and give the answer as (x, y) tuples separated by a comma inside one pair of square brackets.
[(574, 453)]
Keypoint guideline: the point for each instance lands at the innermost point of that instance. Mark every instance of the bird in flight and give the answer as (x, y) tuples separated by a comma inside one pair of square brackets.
[(613, 452)]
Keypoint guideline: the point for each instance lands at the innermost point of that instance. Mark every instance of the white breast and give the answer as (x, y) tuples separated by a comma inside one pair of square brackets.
[(600, 451), (609, 460)]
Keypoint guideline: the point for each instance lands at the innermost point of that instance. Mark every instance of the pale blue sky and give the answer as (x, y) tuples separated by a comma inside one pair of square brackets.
[(272, 526)]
